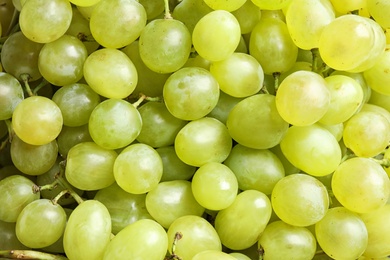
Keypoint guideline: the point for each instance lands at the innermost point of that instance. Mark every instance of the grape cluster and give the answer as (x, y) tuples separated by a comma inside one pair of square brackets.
[(194, 129)]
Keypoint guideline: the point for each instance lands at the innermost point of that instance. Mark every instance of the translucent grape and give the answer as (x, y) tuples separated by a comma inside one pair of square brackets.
[(271, 4), (11, 94), (378, 10), (377, 76), (224, 106), (347, 6), (248, 15)]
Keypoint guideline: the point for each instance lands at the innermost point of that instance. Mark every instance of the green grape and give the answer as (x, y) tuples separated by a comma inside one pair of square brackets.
[(363, 46), (239, 75), (228, 5), (213, 254), (255, 122), (288, 167), (9, 240), (110, 73), (45, 21), (274, 14), (313, 149), (10, 170), (242, 46), (346, 97), (239, 231), (378, 226), (84, 2), (120, 29), (165, 45), (303, 98), (16, 193), (224, 106), (61, 61), (360, 79), (144, 239), (125, 208), (347, 6), (202, 141), (336, 130), (271, 44), (19, 56), (11, 94), (40, 224), (341, 234), (377, 77), (159, 127), (86, 11), (216, 35), (248, 15), (76, 102), (379, 10), (197, 235), (153, 8), (171, 200), (361, 185), (305, 20), (367, 133), (376, 109), (138, 168), (190, 12), (114, 123), (214, 186), (37, 120), (70, 136), (191, 93), (283, 241), (380, 100), (89, 166), (298, 66), (149, 83), (300, 200), (239, 256), (33, 159), (88, 231), (271, 4), (6, 13), (255, 169)]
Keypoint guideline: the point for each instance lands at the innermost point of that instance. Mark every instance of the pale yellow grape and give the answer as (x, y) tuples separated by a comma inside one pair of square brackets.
[(346, 97), (361, 185), (342, 234), (300, 200), (379, 10), (248, 15), (380, 100), (305, 20), (377, 77), (376, 109), (239, 256), (213, 254), (271, 4), (228, 5), (302, 98), (336, 130), (84, 2), (360, 79), (347, 6), (216, 35)]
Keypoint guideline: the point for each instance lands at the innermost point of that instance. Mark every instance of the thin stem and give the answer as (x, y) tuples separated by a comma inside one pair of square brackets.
[(41, 85), (314, 62), (173, 256), (64, 184), (14, 21), (50, 186), (59, 195), (276, 78), (10, 130), (29, 254), (140, 100), (25, 77), (261, 252), (167, 12), (385, 162)]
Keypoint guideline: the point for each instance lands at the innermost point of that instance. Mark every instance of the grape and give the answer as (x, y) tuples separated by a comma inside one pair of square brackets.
[(214, 186), (114, 123), (76, 102), (360, 79), (89, 166), (255, 122), (248, 15), (336, 130), (283, 241), (159, 127), (271, 44), (377, 76), (138, 168), (125, 208), (19, 56), (224, 106), (9, 240), (255, 169), (86, 11), (11, 94), (84, 2), (153, 8), (37, 120), (88, 231), (61, 61), (191, 93), (228, 5), (117, 23), (361, 185), (288, 167), (298, 66), (6, 13), (165, 45), (16, 193), (342, 234), (271, 4), (110, 73), (378, 227), (45, 21), (239, 231), (197, 235), (144, 239), (300, 200), (202, 141), (213, 254), (40, 224), (367, 133), (240, 75), (303, 98), (346, 6), (190, 12), (171, 200), (378, 10), (216, 35), (70, 136), (305, 20), (33, 159), (239, 256)]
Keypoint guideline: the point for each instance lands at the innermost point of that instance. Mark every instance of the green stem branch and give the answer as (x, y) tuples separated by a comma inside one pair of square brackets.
[(167, 14), (29, 254), (25, 78), (59, 195)]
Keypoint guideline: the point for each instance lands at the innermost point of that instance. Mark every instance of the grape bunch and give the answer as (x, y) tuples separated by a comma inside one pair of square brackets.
[(194, 129)]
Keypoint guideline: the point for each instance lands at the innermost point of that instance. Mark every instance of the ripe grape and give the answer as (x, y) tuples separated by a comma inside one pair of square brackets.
[(271, 4), (11, 94), (70, 136), (213, 254), (228, 5), (248, 15), (190, 12)]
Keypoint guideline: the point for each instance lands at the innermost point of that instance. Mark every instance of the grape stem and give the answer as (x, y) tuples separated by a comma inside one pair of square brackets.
[(29, 254), (276, 76), (385, 162), (25, 77), (261, 252), (10, 130), (41, 85), (50, 186), (174, 256), (314, 62), (167, 14), (58, 197), (63, 183)]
